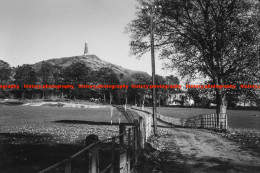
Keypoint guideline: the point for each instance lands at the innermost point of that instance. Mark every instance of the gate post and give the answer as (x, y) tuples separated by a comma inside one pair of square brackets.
[(94, 161), (141, 133), (123, 151)]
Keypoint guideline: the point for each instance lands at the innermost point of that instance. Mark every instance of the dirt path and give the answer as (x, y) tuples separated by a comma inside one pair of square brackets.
[(192, 150)]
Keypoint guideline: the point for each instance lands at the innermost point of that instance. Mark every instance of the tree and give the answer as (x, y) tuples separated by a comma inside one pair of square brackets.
[(215, 38), (129, 93), (5, 71), (58, 78), (45, 75), (24, 75), (141, 78), (75, 74), (106, 76)]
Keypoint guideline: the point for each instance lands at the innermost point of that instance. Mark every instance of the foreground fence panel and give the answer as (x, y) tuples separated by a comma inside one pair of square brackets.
[(124, 152)]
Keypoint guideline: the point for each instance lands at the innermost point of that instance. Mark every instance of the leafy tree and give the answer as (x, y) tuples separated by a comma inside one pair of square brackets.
[(215, 38), (127, 94), (5, 71), (75, 74), (141, 78), (45, 75), (58, 78), (5, 74), (106, 76), (24, 75)]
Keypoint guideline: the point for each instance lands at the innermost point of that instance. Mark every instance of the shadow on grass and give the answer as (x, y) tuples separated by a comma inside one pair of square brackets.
[(89, 122)]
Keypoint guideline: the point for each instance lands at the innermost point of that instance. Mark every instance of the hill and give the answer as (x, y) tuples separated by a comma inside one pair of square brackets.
[(95, 63)]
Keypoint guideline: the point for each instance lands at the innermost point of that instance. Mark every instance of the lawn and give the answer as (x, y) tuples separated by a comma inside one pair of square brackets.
[(33, 138), (40, 114), (236, 118)]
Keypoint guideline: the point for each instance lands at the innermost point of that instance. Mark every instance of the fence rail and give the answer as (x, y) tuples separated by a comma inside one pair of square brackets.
[(125, 150), (207, 121)]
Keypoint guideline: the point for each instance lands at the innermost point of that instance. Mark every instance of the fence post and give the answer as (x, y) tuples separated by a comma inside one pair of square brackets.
[(210, 119), (207, 121), (123, 153), (226, 122), (136, 133), (201, 121), (122, 129), (215, 121), (113, 155), (141, 133), (68, 167), (93, 161), (129, 151), (218, 121)]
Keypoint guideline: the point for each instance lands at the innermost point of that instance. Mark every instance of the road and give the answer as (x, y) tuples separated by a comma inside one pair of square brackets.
[(194, 150)]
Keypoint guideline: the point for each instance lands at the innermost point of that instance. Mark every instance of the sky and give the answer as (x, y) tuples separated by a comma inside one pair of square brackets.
[(37, 30)]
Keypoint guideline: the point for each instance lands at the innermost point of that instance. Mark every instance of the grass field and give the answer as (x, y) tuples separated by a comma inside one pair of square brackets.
[(29, 114), (33, 138), (236, 118)]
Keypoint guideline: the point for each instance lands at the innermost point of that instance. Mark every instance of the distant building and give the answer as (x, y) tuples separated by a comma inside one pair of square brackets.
[(86, 48), (179, 98)]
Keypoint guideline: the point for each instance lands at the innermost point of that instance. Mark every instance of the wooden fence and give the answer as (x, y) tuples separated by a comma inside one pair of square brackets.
[(207, 121), (125, 150)]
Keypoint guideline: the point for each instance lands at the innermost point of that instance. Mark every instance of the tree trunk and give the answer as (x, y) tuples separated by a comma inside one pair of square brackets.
[(23, 94), (143, 99), (221, 106), (159, 100), (104, 98), (221, 102), (110, 97), (42, 95), (126, 99), (61, 94)]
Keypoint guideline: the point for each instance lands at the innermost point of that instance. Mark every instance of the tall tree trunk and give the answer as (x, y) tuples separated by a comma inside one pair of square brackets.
[(159, 99), (221, 102), (126, 99), (42, 94), (143, 99), (104, 98), (23, 94), (221, 105), (110, 97)]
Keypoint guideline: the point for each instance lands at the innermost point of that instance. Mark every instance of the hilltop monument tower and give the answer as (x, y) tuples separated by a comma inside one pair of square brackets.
[(86, 48)]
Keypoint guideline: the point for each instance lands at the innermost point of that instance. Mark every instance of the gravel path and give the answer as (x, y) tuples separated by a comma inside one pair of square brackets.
[(193, 150)]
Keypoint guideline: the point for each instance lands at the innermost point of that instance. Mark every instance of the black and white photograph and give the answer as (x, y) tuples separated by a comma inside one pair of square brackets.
[(130, 86)]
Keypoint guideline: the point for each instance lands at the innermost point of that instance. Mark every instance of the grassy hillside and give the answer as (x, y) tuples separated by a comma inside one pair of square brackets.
[(92, 61)]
